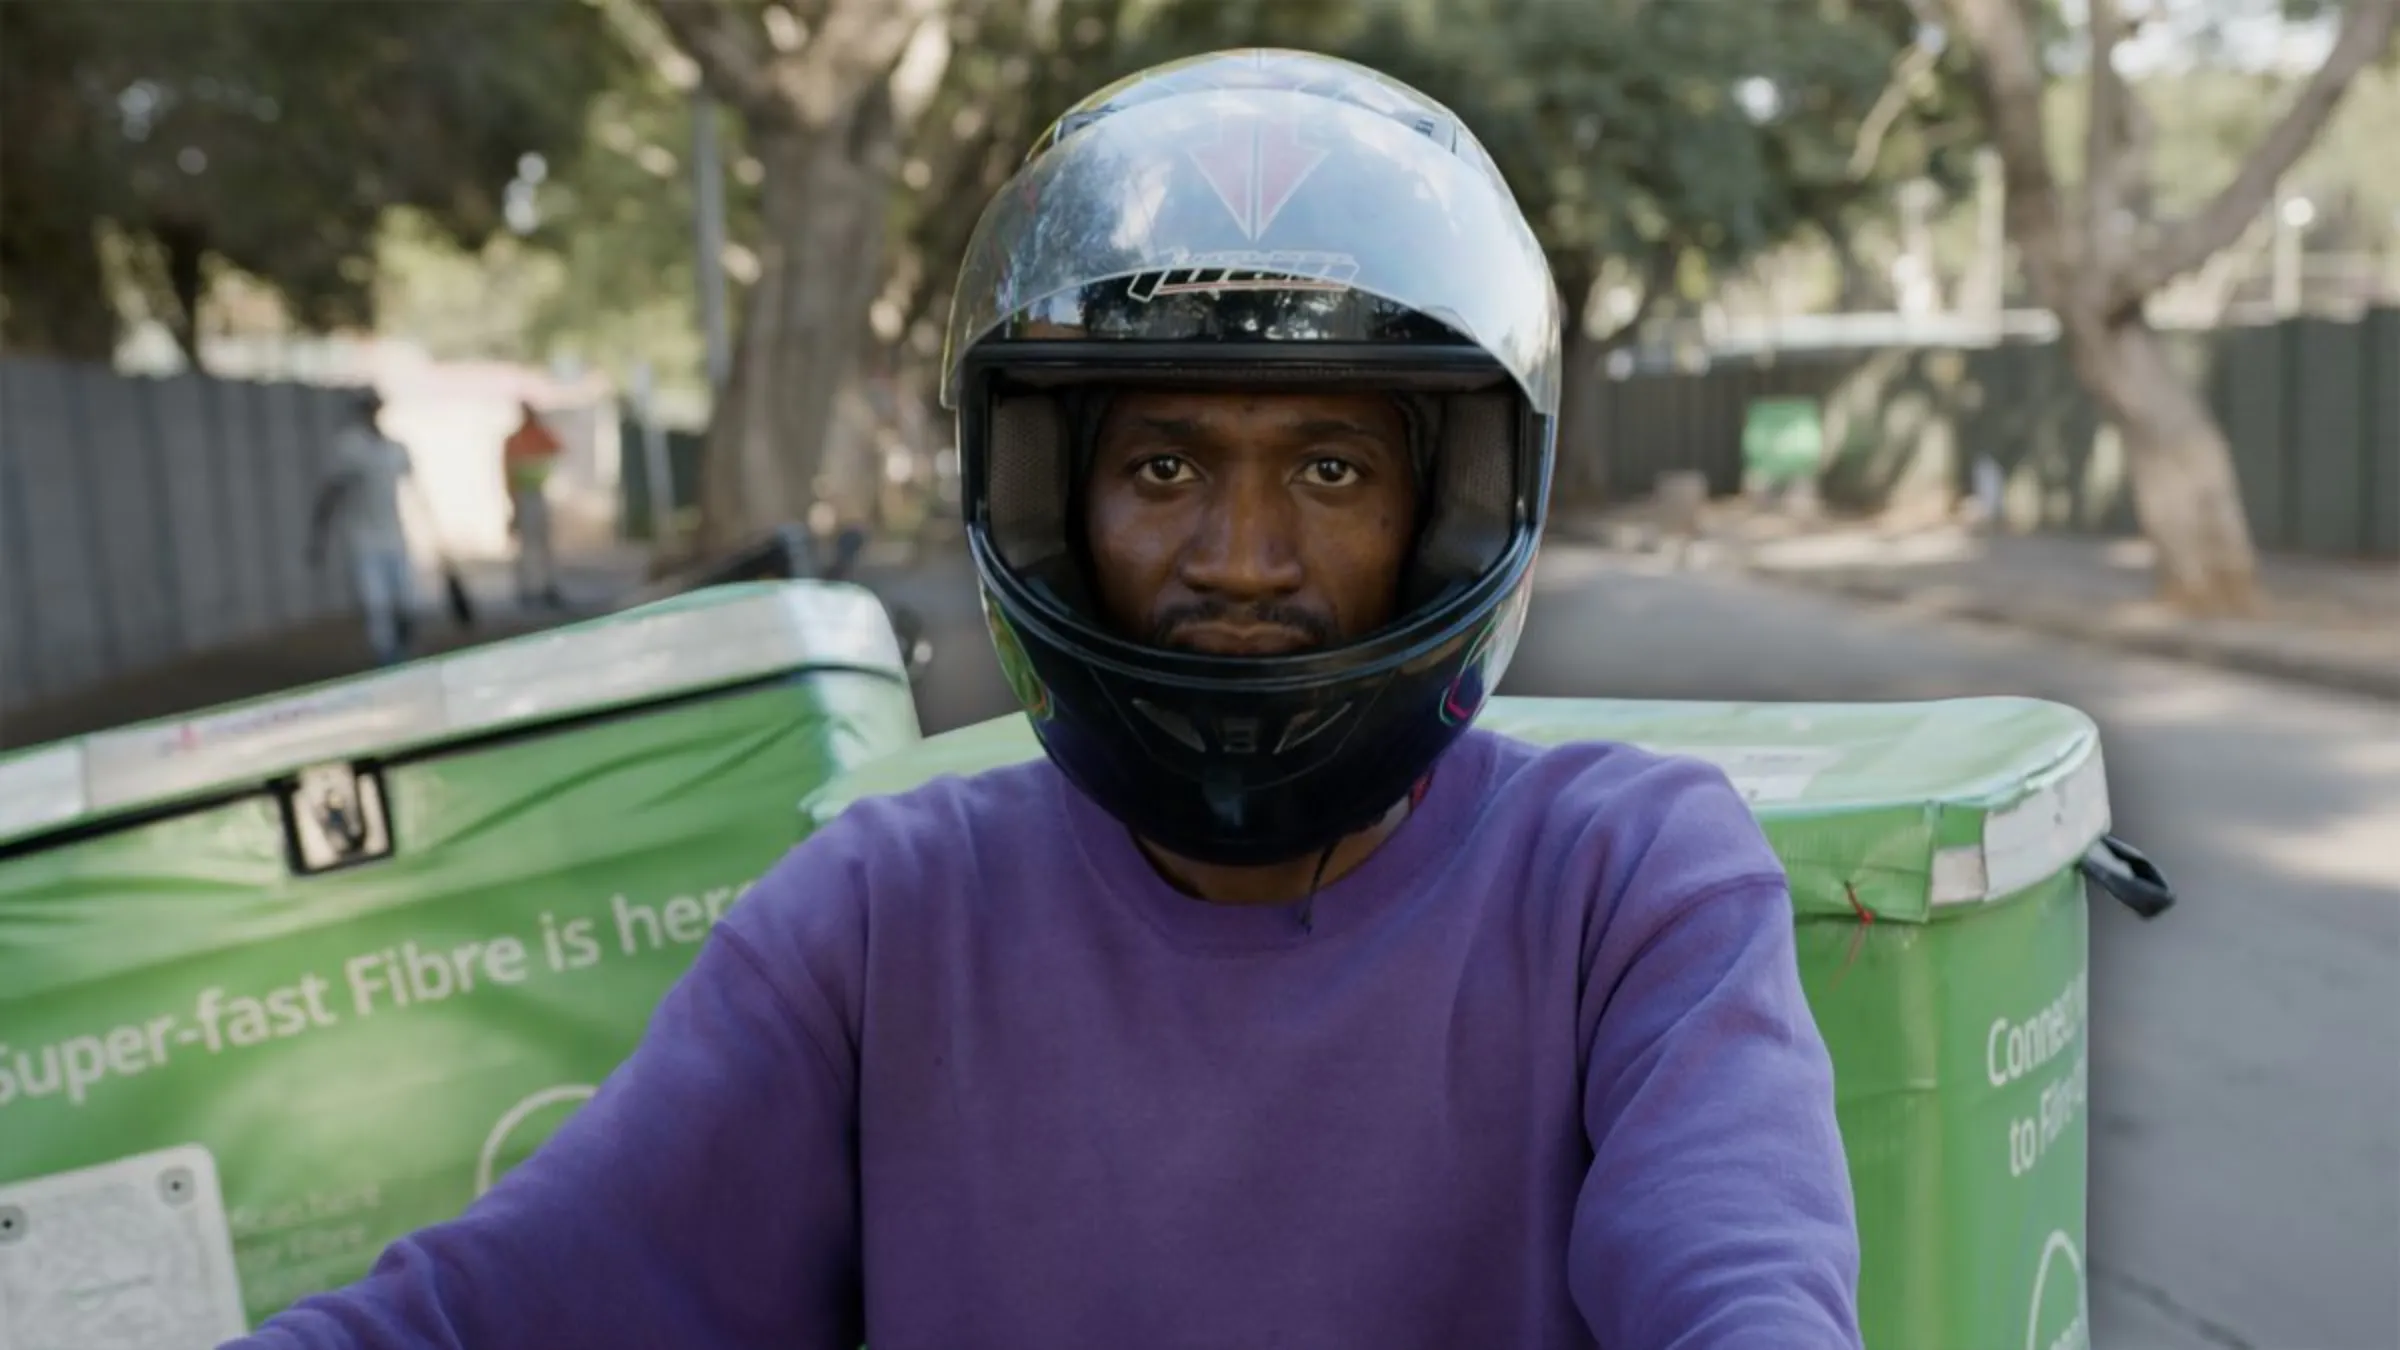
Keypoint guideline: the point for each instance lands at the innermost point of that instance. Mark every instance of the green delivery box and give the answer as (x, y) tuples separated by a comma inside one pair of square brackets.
[(286, 980), (1934, 853)]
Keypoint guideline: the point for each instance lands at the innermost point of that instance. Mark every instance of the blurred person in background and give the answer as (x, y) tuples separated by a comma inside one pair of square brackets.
[(359, 499), (849, 547), (527, 461)]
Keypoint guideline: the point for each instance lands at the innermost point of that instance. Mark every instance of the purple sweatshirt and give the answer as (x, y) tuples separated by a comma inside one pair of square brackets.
[(963, 1071)]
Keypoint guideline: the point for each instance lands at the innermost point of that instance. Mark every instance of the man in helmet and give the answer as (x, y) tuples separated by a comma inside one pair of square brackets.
[(1274, 1005)]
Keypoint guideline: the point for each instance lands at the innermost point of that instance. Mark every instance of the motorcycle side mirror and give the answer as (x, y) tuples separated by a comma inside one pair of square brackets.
[(2128, 874)]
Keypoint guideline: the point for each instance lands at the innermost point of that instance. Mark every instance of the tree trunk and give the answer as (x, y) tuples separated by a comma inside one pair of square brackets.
[(186, 248), (57, 294), (1857, 287), (2097, 276), (2185, 493), (1580, 480), (826, 195)]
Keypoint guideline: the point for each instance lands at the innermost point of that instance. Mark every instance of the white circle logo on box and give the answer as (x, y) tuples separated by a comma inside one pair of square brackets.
[(2075, 1332), (566, 1094)]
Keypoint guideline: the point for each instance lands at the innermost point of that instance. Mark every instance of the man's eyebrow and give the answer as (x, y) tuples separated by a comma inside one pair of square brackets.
[(1191, 431), (1183, 430), (1336, 426)]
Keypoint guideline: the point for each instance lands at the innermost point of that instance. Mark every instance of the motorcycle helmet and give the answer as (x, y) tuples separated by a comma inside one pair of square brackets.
[(1254, 220)]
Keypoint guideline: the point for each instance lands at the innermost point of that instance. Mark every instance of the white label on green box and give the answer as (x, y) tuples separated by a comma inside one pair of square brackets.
[(130, 1255)]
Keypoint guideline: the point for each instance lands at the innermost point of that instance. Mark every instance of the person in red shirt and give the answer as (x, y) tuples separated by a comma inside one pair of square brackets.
[(527, 460)]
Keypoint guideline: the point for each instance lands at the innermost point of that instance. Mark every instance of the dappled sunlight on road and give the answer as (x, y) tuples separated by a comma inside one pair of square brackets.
[(2361, 848), (2171, 702), (2349, 837), (1855, 549)]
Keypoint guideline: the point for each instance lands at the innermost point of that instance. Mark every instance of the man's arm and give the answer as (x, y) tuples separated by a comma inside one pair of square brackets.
[(1717, 1214), (706, 1197)]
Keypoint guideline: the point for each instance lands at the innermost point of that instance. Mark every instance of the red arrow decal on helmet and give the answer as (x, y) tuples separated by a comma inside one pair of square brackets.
[(1256, 168)]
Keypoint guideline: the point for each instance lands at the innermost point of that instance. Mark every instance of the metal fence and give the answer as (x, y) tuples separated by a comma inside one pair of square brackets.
[(2311, 407), (142, 519)]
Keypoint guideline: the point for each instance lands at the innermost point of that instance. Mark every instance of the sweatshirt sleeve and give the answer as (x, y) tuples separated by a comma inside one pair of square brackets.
[(705, 1196), (1717, 1212)]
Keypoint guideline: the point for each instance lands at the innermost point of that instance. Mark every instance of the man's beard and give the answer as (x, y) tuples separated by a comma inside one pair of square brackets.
[(1315, 627)]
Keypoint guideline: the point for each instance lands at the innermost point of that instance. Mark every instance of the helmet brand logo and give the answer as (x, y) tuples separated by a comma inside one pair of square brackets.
[(1256, 167), (1246, 270)]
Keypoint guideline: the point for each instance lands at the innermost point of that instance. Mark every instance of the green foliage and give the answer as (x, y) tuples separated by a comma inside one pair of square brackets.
[(1013, 68), (623, 219), (271, 138), (2207, 121), (1622, 125)]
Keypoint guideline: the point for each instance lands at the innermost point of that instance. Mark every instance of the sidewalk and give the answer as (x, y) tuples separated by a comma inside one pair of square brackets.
[(2326, 622), (317, 652)]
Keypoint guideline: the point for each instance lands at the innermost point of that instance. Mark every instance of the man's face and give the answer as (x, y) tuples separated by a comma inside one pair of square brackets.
[(1250, 524)]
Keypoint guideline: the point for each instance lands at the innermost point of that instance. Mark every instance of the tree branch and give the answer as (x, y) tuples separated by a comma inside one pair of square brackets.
[(1658, 277), (2103, 147), (1909, 71), (2008, 84), (859, 42), (2366, 34), (730, 51), (810, 12), (638, 30)]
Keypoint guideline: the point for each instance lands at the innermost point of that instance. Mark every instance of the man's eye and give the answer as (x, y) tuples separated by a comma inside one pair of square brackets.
[(1162, 469), (1331, 472)]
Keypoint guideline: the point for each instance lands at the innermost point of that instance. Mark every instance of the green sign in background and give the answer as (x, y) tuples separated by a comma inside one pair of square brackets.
[(1783, 439)]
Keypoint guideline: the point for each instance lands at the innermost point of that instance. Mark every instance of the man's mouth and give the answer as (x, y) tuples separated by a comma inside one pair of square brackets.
[(1240, 639)]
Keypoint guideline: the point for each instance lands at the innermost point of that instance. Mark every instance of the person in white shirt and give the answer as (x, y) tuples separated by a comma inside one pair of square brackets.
[(360, 497)]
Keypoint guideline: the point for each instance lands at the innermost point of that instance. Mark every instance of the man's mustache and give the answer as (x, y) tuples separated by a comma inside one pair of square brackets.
[(1308, 623)]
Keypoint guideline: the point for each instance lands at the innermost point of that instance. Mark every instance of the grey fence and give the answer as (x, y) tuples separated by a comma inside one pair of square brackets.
[(2311, 407), (145, 519)]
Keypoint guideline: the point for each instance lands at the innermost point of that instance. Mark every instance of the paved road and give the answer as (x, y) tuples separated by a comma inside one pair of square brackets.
[(2245, 1077)]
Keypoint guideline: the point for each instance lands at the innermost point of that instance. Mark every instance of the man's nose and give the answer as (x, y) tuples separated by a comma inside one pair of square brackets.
[(1247, 545)]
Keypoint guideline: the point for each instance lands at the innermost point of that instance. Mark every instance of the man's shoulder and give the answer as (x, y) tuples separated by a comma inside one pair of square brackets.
[(1580, 776), (907, 856), (954, 806), (946, 827), (1621, 803)]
